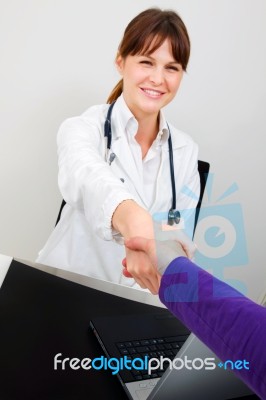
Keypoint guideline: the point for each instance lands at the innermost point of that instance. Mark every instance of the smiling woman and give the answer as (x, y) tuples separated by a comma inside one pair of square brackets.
[(156, 27), (111, 193)]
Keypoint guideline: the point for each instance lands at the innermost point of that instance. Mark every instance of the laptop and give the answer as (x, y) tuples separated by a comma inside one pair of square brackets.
[(142, 342)]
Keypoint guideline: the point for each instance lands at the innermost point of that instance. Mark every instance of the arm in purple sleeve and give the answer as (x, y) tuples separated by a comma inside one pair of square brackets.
[(230, 324)]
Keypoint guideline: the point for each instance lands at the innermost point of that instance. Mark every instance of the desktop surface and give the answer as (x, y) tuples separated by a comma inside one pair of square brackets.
[(42, 315)]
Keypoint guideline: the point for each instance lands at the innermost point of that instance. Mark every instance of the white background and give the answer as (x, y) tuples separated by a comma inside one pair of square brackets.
[(57, 59)]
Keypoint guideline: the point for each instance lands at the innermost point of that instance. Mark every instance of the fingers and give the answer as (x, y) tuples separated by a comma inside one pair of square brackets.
[(189, 249), (138, 266), (145, 284), (147, 279), (141, 263), (188, 246), (126, 273), (124, 262)]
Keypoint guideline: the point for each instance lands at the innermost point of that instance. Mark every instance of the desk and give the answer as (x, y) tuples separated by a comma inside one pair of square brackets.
[(45, 311)]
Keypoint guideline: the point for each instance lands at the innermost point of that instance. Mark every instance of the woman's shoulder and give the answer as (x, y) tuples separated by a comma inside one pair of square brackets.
[(87, 125), (94, 115), (97, 111)]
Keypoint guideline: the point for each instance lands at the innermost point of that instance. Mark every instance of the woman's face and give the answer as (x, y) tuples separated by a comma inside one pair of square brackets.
[(150, 82)]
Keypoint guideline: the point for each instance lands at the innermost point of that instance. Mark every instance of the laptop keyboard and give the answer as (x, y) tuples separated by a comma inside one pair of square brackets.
[(152, 348)]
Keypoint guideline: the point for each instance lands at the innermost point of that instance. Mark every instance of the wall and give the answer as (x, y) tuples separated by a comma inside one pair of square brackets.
[(57, 59)]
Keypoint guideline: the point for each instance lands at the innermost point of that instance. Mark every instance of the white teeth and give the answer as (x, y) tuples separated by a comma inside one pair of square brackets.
[(152, 92)]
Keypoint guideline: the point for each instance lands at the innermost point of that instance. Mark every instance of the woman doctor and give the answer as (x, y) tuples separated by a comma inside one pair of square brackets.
[(112, 193)]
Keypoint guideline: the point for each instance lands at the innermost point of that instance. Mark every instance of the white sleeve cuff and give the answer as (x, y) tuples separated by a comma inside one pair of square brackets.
[(106, 230)]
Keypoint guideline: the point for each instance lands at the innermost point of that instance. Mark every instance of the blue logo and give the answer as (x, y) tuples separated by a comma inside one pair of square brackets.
[(220, 236), (220, 233), (232, 365)]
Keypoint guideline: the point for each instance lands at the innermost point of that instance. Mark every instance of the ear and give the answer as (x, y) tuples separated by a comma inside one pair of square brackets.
[(119, 62)]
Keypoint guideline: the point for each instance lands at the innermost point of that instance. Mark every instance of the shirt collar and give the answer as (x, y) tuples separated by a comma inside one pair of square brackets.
[(130, 124), (125, 116), (164, 132)]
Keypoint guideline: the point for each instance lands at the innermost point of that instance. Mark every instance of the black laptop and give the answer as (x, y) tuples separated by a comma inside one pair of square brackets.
[(135, 339)]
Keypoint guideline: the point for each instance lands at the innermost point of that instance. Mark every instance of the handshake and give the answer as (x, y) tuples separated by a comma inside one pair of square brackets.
[(149, 258)]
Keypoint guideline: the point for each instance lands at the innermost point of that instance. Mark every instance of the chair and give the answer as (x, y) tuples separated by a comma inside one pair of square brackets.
[(60, 211), (203, 168)]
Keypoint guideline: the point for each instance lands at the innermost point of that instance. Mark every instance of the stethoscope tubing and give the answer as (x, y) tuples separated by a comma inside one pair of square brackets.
[(173, 214)]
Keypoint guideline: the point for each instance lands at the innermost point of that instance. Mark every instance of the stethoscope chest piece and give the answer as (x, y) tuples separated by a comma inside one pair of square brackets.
[(173, 217)]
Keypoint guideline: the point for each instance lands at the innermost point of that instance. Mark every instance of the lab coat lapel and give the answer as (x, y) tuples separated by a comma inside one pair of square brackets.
[(124, 157)]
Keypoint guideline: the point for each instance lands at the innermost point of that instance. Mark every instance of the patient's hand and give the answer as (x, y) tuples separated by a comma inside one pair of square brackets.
[(178, 235)]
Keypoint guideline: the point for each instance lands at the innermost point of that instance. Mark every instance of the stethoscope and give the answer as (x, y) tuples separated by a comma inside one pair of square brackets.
[(173, 214)]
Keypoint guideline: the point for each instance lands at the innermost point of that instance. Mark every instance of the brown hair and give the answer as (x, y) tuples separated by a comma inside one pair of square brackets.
[(147, 32)]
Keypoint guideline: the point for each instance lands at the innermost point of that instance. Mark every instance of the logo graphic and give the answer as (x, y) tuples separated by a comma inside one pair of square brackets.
[(220, 233), (147, 364), (238, 364)]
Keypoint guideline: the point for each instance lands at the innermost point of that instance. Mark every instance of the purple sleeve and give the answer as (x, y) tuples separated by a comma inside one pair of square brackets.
[(230, 324)]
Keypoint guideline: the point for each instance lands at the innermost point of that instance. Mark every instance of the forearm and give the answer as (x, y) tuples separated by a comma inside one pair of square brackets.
[(230, 324), (131, 220)]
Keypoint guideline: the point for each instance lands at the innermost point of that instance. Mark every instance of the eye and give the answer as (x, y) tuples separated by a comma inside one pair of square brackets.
[(173, 68), (146, 62)]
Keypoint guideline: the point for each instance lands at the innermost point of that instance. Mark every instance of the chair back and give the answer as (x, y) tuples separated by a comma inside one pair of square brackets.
[(203, 168)]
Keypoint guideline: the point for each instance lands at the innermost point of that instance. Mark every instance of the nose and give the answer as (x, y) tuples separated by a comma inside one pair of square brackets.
[(157, 76)]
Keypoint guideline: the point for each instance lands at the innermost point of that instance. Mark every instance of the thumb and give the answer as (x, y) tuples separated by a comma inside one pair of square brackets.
[(137, 243), (147, 246)]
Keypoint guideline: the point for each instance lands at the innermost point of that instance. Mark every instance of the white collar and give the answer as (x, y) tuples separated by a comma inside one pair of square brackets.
[(129, 123)]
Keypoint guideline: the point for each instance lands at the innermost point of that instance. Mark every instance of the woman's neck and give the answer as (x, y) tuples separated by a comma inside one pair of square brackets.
[(147, 131)]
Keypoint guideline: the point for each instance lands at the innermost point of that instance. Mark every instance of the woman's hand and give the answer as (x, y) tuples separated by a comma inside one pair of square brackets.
[(138, 265), (131, 220)]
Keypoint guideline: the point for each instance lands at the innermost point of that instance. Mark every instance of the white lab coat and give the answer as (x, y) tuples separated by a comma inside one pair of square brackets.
[(83, 241)]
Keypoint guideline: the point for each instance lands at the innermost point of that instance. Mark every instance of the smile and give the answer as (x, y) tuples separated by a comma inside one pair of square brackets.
[(152, 93)]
